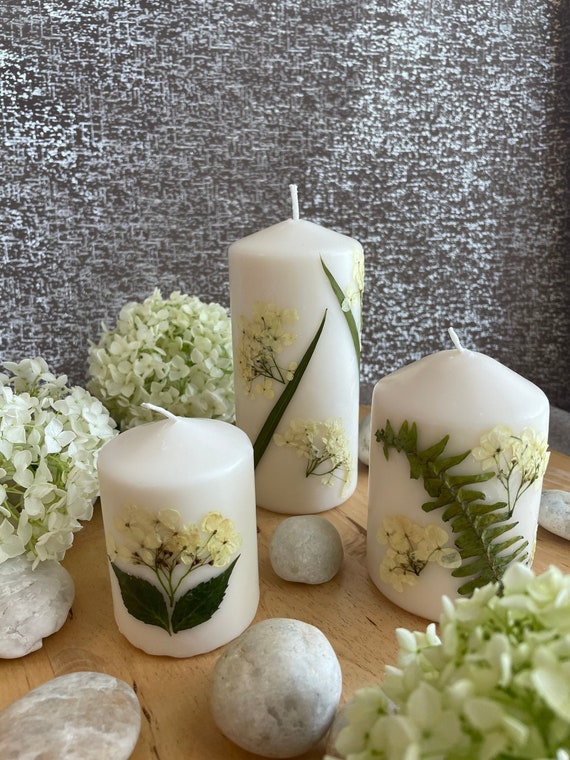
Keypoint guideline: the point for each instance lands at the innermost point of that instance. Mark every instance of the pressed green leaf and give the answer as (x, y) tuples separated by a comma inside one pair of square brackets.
[(143, 600), (461, 480), (435, 451), (350, 321), (274, 416), (446, 464), (199, 603)]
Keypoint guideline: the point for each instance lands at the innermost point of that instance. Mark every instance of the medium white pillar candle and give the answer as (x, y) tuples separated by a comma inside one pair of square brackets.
[(295, 302), (178, 502), (431, 516)]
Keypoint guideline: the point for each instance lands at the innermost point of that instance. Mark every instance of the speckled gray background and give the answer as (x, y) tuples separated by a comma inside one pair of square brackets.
[(139, 138)]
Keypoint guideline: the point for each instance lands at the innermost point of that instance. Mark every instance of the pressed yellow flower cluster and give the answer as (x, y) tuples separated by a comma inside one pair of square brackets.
[(263, 338), (410, 548), (161, 542), (355, 289), (324, 445), (519, 461)]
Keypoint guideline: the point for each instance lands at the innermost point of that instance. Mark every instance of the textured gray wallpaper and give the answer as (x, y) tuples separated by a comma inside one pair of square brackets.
[(140, 138)]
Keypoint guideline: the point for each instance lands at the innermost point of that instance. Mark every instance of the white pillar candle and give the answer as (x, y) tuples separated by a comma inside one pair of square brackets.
[(496, 421), (178, 502), (295, 302)]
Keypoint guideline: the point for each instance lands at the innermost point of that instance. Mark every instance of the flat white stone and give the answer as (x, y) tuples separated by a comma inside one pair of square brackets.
[(554, 514), (33, 604), (306, 549), (276, 688), (79, 716), (364, 440)]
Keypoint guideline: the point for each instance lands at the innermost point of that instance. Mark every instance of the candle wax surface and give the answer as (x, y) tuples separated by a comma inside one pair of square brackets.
[(281, 268), (464, 395), (195, 467)]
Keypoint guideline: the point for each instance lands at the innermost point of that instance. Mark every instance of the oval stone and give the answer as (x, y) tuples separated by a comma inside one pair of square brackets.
[(276, 688), (306, 549), (78, 716), (34, 603), (554, 514)]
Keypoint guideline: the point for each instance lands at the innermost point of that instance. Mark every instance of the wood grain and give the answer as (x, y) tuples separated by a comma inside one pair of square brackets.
[(358, 621)]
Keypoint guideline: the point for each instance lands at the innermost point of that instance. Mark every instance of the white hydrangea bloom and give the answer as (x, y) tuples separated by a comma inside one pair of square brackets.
[(495, 684), (50, 437)]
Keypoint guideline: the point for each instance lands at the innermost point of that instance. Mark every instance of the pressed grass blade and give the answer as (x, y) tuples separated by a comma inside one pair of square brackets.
[(349, 316), (274, 416)]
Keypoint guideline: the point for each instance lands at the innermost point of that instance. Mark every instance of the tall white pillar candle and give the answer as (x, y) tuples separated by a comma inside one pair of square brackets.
[(457, 457), (295, 302), (178, 502)]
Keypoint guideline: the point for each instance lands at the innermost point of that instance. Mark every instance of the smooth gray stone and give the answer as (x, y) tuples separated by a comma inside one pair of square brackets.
[(364, 440), (276, 688), (79, 716), (554, 514), (306, 549), (33, 604)]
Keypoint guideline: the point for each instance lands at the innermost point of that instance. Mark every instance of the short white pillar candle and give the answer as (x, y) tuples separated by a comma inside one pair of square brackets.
[(295, 302), (457, 456), (178, 502)]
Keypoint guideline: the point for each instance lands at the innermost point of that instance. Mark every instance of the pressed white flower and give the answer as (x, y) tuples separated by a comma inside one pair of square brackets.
[(324, 446), (411, 547), (263, 338), (50, 436), (519, 461), (174, 353), (493, 685)]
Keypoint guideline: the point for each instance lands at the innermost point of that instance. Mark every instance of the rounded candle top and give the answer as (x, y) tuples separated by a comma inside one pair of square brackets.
[(459, 383), (177, 448), (294, 238)]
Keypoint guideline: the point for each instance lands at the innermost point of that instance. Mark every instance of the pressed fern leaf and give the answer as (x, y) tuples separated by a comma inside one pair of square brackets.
[(477, 525)]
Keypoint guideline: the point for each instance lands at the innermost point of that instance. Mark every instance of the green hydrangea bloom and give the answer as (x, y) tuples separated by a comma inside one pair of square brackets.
[(493, 685), (174, 353)]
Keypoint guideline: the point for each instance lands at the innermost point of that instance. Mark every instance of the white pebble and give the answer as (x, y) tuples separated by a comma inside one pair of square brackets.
[(33, 604), (554, 514), (306, 549), (276, 688), (78, 716)]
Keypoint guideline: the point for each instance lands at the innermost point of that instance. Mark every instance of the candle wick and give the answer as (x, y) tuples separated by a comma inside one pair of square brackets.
[(294, 201), (160, 410), (455, 339)]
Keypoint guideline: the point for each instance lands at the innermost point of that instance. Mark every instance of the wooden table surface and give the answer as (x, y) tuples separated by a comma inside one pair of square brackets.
[(177, 725)]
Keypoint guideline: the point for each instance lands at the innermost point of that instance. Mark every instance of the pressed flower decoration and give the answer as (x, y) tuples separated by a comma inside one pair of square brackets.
[(410, 547), (175, 353), (482, 550), (518, 461), (324, 446), (263, 338), (493, 685), (171, 551), (50, 437)]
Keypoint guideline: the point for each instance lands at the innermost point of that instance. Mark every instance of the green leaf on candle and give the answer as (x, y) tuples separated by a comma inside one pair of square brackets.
[(199, 603), (142, 600), (349, 316), (275, 415), (477, 526)]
